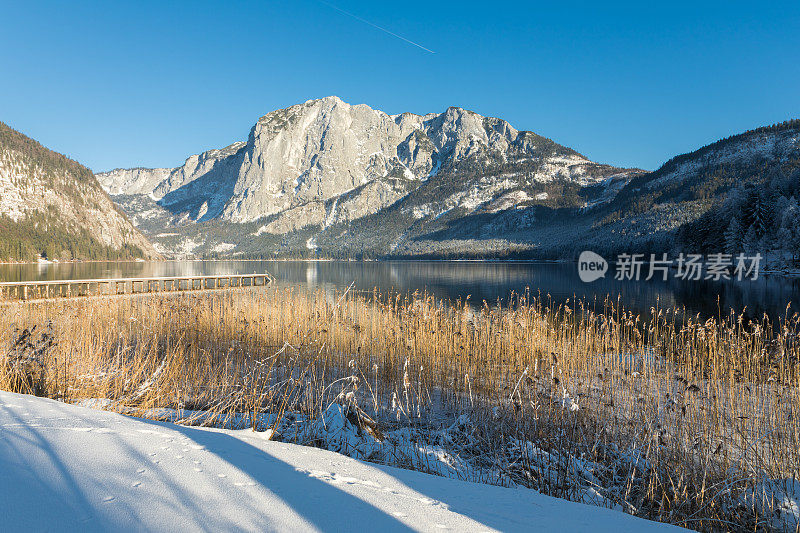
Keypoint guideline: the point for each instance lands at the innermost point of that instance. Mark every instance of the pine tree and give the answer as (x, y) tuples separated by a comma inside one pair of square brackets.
[(750, 240), (733, 237), (763, 213), (789, 232)]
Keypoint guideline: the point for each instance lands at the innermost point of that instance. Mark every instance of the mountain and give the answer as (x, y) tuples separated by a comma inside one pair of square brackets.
[(350, 180), (338, 180), (52, 206), (690, 202)]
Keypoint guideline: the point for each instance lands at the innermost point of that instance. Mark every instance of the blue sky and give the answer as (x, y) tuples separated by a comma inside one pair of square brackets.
[(149, 83)]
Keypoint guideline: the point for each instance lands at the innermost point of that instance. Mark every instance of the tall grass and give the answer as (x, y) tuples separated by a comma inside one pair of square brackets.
[(686, 418)]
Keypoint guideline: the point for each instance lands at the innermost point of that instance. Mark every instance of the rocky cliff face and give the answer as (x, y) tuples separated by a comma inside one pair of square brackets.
[(325, 162), (330, 178), (48, 201)]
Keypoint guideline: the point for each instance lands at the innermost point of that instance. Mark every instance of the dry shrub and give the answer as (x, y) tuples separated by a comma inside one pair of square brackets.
[(23, 368)]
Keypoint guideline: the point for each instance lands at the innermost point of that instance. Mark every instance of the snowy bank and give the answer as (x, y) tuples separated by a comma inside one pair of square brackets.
[(67, 467)]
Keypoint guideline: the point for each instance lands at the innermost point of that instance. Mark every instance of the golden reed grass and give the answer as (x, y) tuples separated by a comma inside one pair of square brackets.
[(690, 415)]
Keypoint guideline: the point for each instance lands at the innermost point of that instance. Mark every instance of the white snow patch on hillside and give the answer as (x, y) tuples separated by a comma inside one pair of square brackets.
[(766, 145), (72, 468), (149, 214), (223, 247), (202, 211), (421, 211), (507, 201), (331, 218), (480, 193)]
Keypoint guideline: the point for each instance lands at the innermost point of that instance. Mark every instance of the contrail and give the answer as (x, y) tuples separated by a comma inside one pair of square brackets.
[(365, 21)]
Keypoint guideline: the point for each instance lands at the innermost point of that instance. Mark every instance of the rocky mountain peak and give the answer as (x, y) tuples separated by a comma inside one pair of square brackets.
[(325, 161)]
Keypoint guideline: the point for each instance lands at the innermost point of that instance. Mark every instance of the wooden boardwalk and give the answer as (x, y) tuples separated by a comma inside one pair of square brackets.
[(70, 288)]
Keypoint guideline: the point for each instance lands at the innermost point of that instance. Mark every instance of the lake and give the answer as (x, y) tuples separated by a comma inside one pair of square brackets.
[(458, 279)]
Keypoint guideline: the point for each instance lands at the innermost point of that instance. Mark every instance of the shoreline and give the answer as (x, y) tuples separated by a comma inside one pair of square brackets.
[(785, 273)]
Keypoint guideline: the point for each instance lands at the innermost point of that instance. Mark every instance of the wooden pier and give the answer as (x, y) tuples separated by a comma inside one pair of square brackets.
[(70, 288)]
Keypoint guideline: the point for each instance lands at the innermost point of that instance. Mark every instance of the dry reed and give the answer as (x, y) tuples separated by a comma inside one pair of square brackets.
[(686, 418)]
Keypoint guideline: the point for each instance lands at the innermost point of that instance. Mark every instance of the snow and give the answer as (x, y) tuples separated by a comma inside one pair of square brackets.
[(67, 467), (148, 214), (435, 169), (188, 245), (484, 191), (331, 218), (508, 200), (779, 499), (764, 145), (223, 247), (422, 211), (202, 211)]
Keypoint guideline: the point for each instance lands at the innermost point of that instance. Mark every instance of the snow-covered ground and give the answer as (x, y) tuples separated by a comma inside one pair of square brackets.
[(65, 467)]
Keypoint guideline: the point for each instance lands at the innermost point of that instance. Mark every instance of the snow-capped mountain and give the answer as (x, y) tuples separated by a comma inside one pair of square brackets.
[(325, 163), (347, 180)]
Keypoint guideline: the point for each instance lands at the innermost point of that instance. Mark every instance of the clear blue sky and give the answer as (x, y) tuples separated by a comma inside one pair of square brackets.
[(149, 83)]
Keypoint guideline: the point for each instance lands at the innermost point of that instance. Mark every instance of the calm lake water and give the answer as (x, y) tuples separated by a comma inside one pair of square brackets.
[(457, 279)]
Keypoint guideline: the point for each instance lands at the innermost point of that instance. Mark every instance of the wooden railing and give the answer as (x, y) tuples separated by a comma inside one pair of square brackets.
[(68, 288)]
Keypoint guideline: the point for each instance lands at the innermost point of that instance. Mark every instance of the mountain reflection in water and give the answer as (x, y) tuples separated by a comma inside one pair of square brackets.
[(481, 281)]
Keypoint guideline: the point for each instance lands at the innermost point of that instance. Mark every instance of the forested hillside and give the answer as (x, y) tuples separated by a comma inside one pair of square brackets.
[(739, 194), (52, 207)]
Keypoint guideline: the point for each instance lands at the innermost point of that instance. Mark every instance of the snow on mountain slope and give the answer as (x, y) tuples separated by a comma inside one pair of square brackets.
[(325, 149), (72, 468), (132, 180), (62, 199), (770, 147)]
